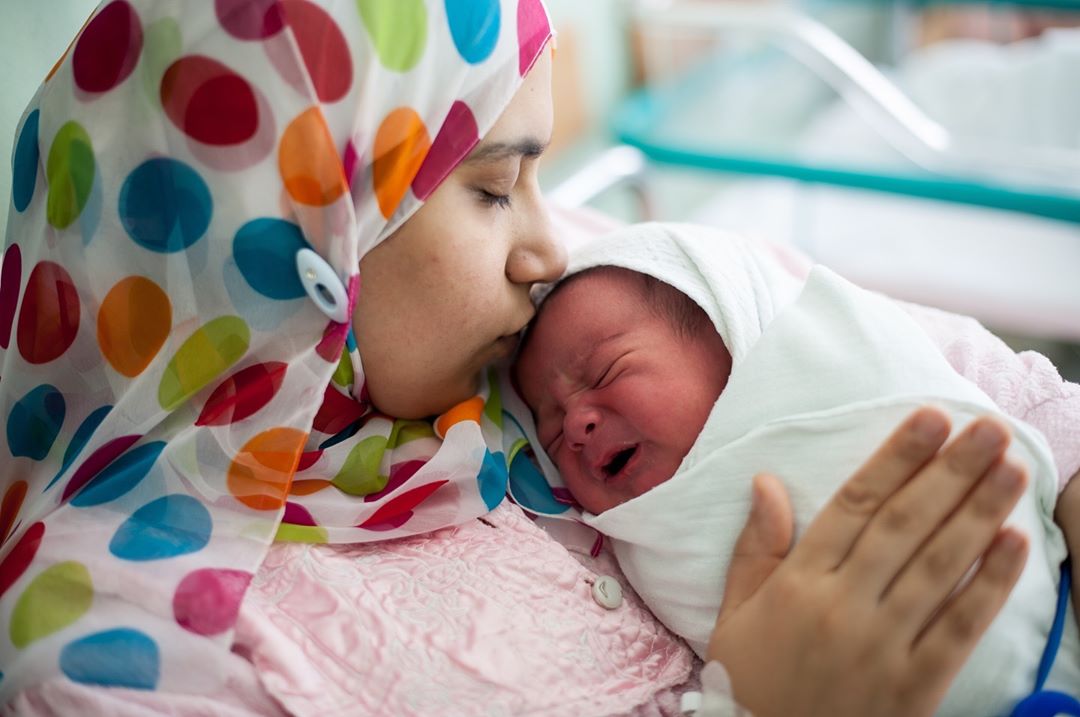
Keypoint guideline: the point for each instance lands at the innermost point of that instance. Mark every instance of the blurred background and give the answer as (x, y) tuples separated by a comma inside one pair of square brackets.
[(928, 149)]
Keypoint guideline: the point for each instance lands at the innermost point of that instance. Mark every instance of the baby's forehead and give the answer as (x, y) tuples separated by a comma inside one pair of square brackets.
[(587, 284)]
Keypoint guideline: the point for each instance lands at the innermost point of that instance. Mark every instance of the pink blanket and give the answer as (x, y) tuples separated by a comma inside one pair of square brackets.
[(493, 617)]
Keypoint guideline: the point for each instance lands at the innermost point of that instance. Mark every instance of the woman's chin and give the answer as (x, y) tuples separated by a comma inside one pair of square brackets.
[(423, 401)]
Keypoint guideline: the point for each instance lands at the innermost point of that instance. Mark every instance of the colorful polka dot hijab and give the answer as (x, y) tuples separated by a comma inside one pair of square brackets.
[(171, 397)]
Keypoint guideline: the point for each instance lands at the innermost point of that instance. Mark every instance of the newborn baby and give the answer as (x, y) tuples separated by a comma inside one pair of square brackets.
[(676, 362)]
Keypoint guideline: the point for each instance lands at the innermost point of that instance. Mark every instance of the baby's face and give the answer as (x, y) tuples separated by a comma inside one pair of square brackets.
[(618, 396)]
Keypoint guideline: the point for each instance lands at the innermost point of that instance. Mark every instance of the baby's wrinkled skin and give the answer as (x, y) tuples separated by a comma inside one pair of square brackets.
[(619, 395)]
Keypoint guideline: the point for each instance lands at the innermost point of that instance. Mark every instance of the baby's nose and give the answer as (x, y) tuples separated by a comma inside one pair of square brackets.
[(580, 424)]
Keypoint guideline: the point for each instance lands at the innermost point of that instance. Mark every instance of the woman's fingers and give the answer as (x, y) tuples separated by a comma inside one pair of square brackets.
[(939, 565), (917, 510), (950, 637), (762, 544), (831, 535)]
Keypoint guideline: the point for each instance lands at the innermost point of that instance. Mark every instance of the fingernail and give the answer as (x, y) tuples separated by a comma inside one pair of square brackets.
[(1006, 477), (988, 436), (928, 425), (1013, 542)]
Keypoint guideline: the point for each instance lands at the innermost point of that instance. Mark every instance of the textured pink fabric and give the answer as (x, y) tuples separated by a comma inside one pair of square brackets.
[(239, 694), (491, 617), (1024, 385)]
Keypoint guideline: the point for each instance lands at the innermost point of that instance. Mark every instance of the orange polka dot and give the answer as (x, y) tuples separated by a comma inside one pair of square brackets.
[(465, 411), (308, 486), (309, 163), (9, 508), (260, 475), (401, 144), (134, 320)]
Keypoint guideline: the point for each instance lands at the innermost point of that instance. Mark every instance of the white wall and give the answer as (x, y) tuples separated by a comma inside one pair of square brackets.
[(33, 35)]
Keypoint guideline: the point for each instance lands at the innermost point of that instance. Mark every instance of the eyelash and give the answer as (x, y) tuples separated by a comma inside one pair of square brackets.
[(502, 201), (604, 376)]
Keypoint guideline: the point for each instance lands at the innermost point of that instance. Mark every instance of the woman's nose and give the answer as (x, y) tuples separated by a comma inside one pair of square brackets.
[(579, 424), (537, 255)]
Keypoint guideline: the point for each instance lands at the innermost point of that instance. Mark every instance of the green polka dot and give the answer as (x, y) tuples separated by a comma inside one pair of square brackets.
[(493, 407), (53, 600), (287, 533), (162, 45), (360, 473), (205, 355), (70, 170), (343, 374), (398, 29), (517, 446), (406, 431)]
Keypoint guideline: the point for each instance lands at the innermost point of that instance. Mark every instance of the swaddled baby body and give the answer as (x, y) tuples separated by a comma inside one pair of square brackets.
[(675, 361)]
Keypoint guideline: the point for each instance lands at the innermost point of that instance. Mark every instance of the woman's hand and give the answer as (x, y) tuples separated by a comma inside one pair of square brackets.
[(1067, 515), (860, 617)]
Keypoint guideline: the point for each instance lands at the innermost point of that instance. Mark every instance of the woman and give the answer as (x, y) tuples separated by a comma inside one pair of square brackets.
[(203, 198)]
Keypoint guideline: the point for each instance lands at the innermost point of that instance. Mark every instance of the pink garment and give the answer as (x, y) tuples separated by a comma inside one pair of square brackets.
[(490, 617)]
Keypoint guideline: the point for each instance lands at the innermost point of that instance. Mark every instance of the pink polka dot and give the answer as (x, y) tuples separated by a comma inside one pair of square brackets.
[(18, 560), (350, 162), (250, 19), (10, 276), (399, 473), (533, 32), (49, 318), (456, 138), (107, 50), (96, 463), (297, 515), (209, 102), (397, 511), (333, 340), (337, 411), (242, 394), (207, 601), (323, 47)]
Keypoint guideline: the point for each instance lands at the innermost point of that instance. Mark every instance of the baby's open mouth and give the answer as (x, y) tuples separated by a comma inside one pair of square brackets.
[(619, 461)]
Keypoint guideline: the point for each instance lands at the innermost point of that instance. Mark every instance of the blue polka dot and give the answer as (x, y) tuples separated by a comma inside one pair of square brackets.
[(530, 489), (165, 205), (25, 163), (120, 476), (35, 421), (265, 252), (164, 528), (492, 479), (78, 441), (114, 658), (474, 25)]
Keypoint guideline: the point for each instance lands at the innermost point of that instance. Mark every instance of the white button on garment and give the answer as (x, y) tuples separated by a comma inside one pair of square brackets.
[(607, 592), (323, 285)]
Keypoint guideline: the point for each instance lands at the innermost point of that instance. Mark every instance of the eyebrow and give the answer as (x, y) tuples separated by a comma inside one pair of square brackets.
[(496, 151)]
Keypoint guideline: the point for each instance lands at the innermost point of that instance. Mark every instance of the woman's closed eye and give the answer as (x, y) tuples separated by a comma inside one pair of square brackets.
[(492, 199)]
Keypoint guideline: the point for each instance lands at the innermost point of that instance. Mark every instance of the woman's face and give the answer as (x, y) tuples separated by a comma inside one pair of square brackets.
[(447, 294)]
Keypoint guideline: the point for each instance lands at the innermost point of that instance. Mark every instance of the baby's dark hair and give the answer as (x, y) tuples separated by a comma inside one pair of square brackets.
[(667, 303)]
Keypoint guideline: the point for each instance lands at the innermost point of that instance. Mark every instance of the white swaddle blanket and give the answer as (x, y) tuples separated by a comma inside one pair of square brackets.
[(822, 373)]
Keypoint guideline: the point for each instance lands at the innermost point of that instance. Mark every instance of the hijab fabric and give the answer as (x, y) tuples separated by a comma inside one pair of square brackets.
[(171, 399)]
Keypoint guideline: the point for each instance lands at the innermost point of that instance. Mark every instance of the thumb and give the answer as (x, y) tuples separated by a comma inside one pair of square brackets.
[(763, 543)]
